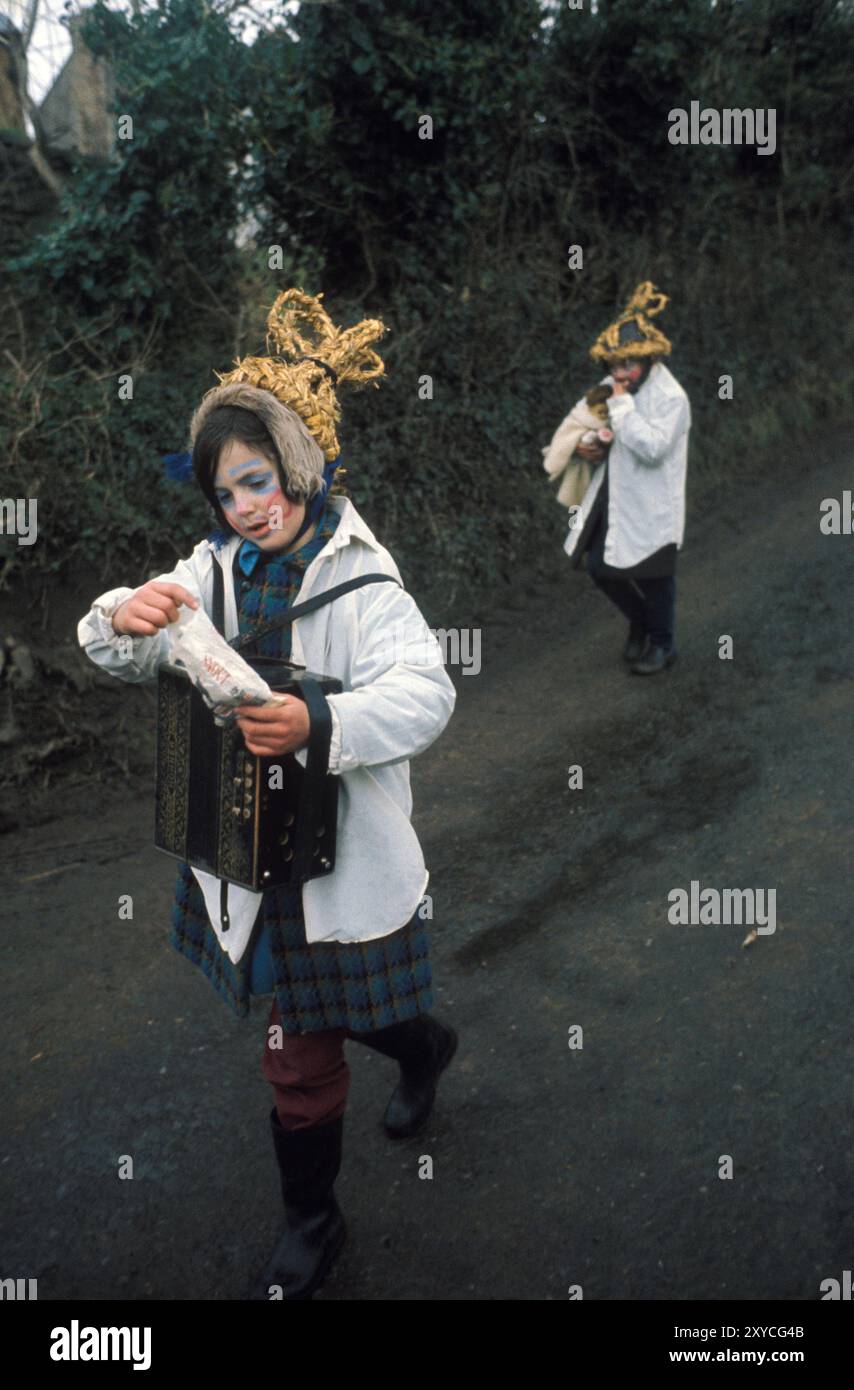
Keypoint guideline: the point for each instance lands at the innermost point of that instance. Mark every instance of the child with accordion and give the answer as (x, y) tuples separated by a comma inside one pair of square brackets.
[(344, 954)]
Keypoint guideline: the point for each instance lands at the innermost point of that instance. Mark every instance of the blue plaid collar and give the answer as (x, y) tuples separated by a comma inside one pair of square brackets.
[(250, 554)]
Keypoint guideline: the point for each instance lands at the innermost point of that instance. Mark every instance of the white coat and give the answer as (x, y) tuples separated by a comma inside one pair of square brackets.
[(397, 699), (647, 464)]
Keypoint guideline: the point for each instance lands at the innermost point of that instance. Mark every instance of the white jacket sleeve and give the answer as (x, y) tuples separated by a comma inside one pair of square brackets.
[(650, 441), (133, 658), (401, 696)]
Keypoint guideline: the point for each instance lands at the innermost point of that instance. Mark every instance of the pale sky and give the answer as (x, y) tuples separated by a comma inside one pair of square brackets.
[(51, 45)]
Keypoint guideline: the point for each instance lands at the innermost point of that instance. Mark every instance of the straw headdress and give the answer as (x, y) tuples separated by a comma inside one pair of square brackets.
[(309, 359), (632, 334)]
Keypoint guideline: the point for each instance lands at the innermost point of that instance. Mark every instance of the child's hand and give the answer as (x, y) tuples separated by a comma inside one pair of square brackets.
[(151, 608), (270, 730), (592, 453)]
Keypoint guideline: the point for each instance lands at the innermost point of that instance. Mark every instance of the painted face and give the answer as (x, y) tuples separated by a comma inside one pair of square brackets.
[(629, 371), (250, 494)]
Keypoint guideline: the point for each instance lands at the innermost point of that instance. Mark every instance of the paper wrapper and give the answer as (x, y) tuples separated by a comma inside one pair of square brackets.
[(219, 673)]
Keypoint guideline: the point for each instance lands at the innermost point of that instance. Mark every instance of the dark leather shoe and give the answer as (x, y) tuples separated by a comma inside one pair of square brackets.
[(656, 659), (309, 1160), (636, 643), (423, 1047)]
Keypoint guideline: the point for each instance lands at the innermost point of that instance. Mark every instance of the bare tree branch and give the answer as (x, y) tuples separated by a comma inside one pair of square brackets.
[(29, 24)]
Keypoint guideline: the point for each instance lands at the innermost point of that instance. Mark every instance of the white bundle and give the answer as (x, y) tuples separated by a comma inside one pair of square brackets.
[(219, 673)]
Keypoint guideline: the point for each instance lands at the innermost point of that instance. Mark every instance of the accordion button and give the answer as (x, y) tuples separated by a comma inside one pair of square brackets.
[(235, 810), (283, 839), (238, 781), (321, 831), (247, 812), (288, 854), (289, 818)]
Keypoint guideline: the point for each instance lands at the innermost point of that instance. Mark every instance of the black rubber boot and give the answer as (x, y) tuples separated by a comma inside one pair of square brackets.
[(309, 1160), (636, 643), (423, 1047)]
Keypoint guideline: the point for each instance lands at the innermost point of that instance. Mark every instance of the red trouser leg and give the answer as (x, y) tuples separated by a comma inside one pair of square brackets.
[(309, 1075)]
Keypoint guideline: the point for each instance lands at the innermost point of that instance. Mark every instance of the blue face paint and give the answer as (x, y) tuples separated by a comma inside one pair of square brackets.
[(256, 463), (260, 479)]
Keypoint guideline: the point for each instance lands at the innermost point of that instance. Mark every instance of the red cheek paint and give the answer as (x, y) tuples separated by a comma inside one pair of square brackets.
[(284, 510)]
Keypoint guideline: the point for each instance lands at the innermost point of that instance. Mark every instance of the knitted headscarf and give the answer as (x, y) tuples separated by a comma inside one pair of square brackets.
[(632, 334)]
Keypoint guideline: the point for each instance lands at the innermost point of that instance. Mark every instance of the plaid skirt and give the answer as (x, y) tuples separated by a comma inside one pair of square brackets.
[(360, 985)]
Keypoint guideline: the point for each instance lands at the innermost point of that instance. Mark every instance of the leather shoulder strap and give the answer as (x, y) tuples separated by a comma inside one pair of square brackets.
[(218, 611), (310, 605), (314, 779)]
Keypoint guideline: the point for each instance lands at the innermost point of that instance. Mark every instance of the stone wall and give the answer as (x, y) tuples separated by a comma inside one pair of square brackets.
[(11, 110), (74, 117), (28, 186), (75, 113)]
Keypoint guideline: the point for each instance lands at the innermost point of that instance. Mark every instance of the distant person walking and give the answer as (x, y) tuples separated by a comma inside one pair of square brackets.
[(631, 518)]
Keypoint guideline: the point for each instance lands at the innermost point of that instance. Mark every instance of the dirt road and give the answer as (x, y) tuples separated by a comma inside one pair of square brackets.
[(552, 1167)]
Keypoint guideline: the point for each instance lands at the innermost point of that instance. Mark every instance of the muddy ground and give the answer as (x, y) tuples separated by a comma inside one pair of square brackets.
[(552, 1167)]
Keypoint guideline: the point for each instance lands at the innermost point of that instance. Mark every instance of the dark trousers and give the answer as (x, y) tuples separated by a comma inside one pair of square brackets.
[(648, 603)]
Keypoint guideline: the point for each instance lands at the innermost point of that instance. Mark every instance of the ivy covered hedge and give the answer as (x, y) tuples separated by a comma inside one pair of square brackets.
[(549, 129)]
